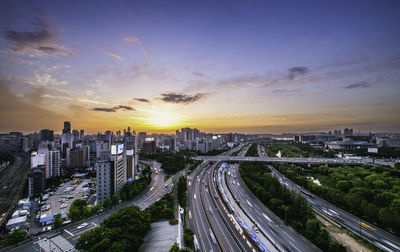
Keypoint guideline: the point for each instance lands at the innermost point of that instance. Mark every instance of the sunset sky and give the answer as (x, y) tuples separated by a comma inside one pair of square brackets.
[(220, 66)]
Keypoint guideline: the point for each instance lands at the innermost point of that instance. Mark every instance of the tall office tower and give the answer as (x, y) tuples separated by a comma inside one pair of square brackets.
[(81, 134), (36, 181), (119, 167), (130, 163), (172, 144), (53, 164), (67, 127), (76, 158), (104, 180), (76, 135), (124, 132), (348, 132), (129, 130), (141, 138), (46, 135), (108, 137)]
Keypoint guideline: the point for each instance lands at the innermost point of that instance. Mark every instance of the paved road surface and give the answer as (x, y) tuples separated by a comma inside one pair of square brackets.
[(284, 237)]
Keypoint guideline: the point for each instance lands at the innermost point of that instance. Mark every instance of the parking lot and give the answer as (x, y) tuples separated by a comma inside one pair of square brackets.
[(58, 202)]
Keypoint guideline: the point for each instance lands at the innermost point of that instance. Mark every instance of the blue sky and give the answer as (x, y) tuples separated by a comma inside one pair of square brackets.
[(246, 66)]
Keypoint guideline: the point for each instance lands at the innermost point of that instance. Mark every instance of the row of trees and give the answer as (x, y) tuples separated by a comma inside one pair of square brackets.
[(171, 162), (214, 152), (181, 191), (287, 150), (252, 151), (370, 193), (383, 152), (288, 205), (162, 209), (309, 151)]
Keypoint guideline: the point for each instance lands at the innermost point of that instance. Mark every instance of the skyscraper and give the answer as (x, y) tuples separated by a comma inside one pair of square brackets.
[(67, 127), (46, 135)]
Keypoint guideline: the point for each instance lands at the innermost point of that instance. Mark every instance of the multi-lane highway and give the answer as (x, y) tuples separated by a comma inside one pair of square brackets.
[(379, 237), (270, 225), (229, 152), (261, 151), (213, 227), (205, 237)]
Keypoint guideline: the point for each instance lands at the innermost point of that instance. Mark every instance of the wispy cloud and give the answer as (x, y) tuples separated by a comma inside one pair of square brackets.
[(71, 99), (362, 84), (198, 74), (285, 91), (136, 40), (46, 80), (180, 98), (142, 100), (115, 108), (297, 71), (41, 39), (113, 54)]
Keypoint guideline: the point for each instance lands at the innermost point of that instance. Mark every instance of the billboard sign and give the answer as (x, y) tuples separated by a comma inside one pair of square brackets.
[(373, 150), (120, 148), (113, 150)]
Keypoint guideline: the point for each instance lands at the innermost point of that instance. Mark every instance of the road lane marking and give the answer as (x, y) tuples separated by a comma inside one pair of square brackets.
[(266, 217), (68, 232), (288, 236), (249, 203)]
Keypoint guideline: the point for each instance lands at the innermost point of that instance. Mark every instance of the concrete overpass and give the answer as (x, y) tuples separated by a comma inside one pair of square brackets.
[(286, 160)]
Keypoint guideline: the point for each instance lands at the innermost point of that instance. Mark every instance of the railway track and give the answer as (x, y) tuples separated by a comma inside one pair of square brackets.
[(12, 182)]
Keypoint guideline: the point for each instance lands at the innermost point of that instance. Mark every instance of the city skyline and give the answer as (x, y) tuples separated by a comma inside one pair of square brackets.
[(231, 66)]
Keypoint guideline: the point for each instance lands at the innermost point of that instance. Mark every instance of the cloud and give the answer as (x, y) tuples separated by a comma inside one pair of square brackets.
[(25, 113), (41, 39), (113, 54), (46, 80), (199, 74), (362, 84), (136, 40), (297, 71), (104, 109), (124, 107), (142, 100), (181, 98), (115, 108), (285, 91)]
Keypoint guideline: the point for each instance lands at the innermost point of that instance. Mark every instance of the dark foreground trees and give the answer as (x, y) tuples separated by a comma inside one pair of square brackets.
[(124, 230)]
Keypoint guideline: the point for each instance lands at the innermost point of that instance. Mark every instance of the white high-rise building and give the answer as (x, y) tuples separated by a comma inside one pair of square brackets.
[(53, 164)]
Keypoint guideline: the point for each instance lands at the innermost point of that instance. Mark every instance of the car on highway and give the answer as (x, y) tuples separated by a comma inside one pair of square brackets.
[(82, 225), (255, 229)]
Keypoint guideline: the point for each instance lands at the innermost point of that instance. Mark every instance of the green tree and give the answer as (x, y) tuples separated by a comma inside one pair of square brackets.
[(78, 210), (107, 203), (174, 248), (57, 221), (188, 237), (14, 237)]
